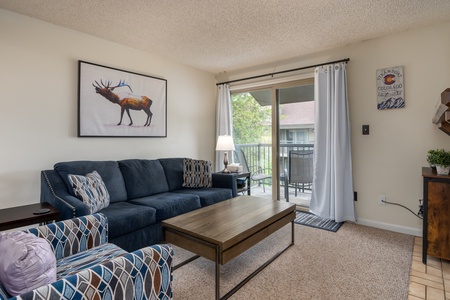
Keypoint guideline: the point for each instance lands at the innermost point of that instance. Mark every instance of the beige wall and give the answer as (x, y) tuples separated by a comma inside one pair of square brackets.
[(389, 160), (38, 112)]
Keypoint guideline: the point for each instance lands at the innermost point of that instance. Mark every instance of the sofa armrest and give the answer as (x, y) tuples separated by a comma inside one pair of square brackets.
[(72, 236), (54, 191), (142, 274), (222, 180)]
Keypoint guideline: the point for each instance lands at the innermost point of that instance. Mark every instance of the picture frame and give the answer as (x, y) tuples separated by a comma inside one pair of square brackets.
[(118, 103), (390, 88)]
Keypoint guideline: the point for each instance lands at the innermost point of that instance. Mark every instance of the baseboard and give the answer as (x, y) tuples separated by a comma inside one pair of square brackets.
[(391, 227)]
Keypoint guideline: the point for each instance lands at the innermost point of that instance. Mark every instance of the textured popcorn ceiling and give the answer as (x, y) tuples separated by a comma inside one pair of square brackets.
[(227, 35)]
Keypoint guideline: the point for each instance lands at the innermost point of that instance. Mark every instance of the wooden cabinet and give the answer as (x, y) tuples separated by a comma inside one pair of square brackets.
[(436, 219)]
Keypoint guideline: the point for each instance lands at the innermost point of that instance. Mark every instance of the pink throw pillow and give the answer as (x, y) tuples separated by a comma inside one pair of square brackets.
[(26, 262)]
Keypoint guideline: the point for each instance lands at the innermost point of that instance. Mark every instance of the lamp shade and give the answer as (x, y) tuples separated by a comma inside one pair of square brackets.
[(225, 143)]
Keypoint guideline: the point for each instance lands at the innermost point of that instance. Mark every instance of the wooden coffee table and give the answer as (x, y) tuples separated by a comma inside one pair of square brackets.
[(222, 231)]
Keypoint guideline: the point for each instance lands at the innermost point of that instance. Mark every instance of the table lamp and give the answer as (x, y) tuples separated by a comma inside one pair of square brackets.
[(225, 143)]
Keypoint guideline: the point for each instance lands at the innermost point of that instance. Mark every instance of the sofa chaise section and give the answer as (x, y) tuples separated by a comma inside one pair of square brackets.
[(223, 187)]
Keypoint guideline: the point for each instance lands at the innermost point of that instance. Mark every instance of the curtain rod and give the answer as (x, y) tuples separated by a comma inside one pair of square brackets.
[(286, 71)]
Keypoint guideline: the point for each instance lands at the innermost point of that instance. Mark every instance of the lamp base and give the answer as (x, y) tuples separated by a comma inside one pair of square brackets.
[(225, 162)]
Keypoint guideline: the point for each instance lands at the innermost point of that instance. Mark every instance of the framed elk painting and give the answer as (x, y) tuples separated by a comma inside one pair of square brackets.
[(118, 103)]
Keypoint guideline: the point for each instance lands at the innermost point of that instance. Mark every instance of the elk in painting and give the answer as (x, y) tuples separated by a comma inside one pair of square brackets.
[(125, 103)]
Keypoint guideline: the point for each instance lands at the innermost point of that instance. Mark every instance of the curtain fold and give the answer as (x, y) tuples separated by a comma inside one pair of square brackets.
[(332, 193), (223, 121)]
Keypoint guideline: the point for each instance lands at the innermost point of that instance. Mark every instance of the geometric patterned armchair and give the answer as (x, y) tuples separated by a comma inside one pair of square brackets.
[(88, 267)]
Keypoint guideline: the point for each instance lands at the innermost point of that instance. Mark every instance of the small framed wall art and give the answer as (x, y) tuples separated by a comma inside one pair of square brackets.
[(390, 92), (118, 103)]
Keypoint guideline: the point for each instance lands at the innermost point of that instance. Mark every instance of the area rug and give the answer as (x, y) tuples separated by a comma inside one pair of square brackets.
[(355, 263), (309, 219)]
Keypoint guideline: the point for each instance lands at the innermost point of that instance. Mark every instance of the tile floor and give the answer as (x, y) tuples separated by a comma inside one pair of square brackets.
[(430, 281)]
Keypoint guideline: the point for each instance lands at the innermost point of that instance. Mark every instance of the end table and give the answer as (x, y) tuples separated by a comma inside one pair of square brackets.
[(25, 215), (246, 176)]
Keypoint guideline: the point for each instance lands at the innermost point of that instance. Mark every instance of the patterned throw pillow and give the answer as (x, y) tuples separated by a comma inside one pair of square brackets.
[(91, 190), (197, 173)]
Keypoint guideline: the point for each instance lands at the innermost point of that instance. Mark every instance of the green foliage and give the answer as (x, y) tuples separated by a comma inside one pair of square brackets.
[(250, 120), (439, 157)]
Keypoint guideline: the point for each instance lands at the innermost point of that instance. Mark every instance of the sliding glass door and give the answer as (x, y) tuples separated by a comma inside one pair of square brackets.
[(296, 142), (271, 124)]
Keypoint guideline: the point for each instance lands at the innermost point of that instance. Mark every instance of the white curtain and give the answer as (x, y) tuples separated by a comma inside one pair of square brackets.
[(332, 193), (223, 120)]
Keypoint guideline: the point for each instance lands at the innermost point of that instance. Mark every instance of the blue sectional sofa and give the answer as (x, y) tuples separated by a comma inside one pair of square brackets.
[(89, 267), (142, 194)]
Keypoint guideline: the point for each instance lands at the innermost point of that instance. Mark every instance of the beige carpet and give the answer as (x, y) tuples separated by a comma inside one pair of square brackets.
[(357, 262)]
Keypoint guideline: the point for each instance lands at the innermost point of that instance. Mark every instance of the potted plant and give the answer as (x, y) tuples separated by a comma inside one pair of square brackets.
[(441, 159)]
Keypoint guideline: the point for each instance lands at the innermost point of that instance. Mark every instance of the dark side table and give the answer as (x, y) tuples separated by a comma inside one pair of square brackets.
[(246, 177), (24, 215), (241, 175)]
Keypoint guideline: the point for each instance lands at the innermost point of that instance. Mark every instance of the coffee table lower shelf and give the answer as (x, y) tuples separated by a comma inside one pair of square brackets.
[(232, 246), (217, 262)]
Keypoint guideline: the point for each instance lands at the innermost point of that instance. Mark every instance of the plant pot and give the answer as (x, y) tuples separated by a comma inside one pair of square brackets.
[(442, 170)]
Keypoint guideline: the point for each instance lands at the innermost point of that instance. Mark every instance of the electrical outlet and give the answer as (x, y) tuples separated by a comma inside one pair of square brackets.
[(382, 199), (420, 212)]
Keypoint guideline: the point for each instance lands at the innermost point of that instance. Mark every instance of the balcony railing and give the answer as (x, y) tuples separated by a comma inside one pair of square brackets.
[(261, 155)]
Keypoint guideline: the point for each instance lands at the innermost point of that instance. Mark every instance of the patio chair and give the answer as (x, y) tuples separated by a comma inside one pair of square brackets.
[(257, 173), (300, 169)]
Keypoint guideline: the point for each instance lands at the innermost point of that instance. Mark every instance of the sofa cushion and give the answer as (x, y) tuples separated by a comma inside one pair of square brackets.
[(173, 168), (208, 196), (143, 177), (26, 262), (86, 259), (125, 217), (197, 173), (91, 190), (169, 205), (108, 170)]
